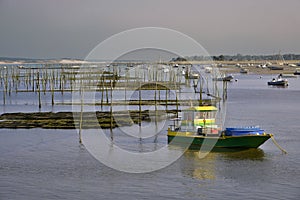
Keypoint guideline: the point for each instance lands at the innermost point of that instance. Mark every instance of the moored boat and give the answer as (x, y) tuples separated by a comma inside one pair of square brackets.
[(297, 71), (278, 82), (192, 75), (208, 69), (289, 76), (275, 68), (198, 129), (224, 78), (244, 70)]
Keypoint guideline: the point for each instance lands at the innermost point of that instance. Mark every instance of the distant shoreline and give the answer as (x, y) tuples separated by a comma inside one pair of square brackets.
[(289, 66)]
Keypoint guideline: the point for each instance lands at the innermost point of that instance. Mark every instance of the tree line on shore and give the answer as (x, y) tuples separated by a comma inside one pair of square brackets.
[(240, 57)]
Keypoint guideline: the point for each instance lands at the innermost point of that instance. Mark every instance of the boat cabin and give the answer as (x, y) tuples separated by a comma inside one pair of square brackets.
[(198, 119)]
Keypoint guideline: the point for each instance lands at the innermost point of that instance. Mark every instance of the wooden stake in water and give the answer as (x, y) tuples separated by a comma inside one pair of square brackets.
[(5, 89), (39, 89), (102, 90), (140, 103), (81, 110), (111, 113), (52, 89)]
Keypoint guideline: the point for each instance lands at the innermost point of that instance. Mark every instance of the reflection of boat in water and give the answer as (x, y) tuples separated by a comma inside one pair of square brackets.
[(198, 129), (203, 169), (248, 154), (206, 168)]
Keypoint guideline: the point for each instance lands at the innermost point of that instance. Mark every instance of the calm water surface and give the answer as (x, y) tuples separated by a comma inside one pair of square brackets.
[(50, 164)]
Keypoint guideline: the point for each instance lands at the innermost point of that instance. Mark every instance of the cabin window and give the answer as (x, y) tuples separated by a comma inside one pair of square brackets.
[(188, 121), (188, 116)]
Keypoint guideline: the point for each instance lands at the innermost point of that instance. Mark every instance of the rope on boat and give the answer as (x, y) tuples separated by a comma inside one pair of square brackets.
[(279, 147)]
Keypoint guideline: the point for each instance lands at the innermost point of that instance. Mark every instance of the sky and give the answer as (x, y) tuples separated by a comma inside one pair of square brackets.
[(73, 28)]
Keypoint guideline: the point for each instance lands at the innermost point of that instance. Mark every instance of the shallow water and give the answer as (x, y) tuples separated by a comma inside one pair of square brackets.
[(50, 164)]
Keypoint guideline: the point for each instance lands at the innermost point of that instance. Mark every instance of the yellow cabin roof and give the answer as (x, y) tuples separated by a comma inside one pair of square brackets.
[(202, 108)]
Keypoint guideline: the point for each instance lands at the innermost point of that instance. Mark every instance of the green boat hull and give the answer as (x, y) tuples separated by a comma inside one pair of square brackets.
[(223, 142)]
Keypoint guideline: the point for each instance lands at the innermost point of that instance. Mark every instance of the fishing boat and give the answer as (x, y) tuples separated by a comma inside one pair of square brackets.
[(278, 82), (198, 129)]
